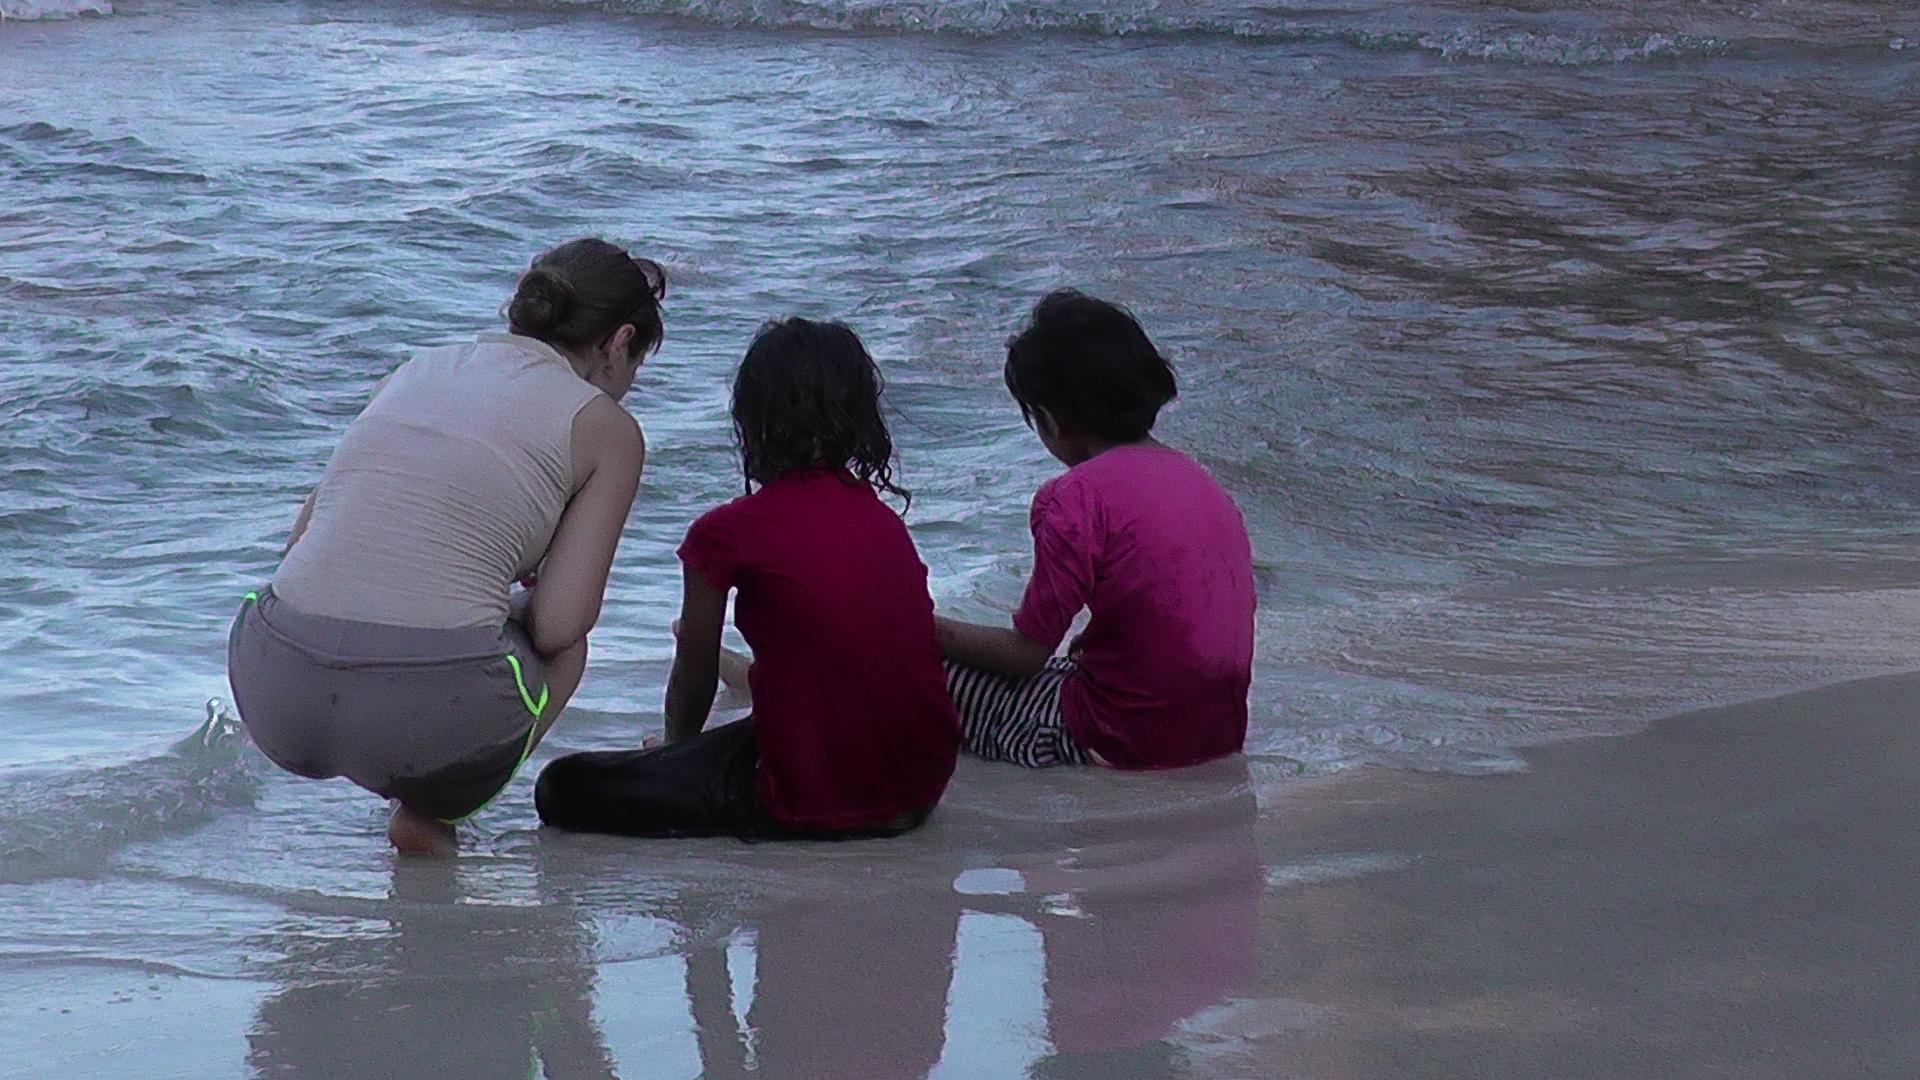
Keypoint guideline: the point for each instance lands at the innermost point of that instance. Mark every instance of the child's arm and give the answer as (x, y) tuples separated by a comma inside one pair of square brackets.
[(999, 649), (696, 657), (1061, 583)]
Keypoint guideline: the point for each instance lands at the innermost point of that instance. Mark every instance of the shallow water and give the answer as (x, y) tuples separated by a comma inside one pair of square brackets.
[(1562, 361)]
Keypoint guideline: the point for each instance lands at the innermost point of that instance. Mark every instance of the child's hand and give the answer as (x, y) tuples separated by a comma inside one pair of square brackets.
[(653, 741)]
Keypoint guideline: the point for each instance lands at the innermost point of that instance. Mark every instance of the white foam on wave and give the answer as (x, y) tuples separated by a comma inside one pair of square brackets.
[(1150, 18), (1531, 47), (30, 10)]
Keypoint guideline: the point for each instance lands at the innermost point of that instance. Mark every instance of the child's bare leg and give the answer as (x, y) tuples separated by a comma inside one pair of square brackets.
[(734, 664), (734, 668)]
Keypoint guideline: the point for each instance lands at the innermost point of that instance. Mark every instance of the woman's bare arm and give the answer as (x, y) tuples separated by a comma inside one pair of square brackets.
[(609, 452)]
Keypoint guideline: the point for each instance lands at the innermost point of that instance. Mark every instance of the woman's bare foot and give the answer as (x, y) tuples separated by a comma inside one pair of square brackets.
[(734, 664), (414, 833)]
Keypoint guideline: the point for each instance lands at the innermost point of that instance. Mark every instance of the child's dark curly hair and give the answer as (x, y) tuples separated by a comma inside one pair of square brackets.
[(808, 394), (1088, 363)]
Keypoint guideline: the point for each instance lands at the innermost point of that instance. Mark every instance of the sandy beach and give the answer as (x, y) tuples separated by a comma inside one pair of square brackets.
[(1729, 894)]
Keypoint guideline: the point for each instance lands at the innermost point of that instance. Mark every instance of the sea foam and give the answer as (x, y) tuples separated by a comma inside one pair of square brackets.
[(28, 10), (69, 821)]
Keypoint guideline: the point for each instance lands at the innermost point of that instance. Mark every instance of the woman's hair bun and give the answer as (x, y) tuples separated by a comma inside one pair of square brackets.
[(580, 293), (541, 303)]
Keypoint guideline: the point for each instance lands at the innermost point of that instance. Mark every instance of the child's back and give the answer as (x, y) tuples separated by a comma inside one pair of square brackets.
[(850, 703), (852, 732), (1136, 533), (1146, 540)]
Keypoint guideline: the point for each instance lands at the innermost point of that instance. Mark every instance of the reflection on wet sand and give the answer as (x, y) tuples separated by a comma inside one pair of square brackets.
[(1137, 942), (1699, 900), (1732, 893), (842, 990), (1081, 951), (450, 988), (1141, 921)]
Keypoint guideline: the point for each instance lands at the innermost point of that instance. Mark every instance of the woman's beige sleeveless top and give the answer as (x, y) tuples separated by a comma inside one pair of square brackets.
[(444, 491)]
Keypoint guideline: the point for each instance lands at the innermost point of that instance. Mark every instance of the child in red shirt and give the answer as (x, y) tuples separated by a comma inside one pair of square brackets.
[(852, 733)]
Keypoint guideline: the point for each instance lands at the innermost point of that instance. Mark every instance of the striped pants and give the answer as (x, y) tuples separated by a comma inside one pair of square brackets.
[(1003, 718)]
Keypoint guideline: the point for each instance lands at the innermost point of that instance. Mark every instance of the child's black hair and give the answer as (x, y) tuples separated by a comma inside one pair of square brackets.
[(1088, 363), (808, 394)]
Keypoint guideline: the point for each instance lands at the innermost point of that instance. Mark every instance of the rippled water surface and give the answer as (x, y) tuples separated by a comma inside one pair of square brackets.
[(1562, 357)]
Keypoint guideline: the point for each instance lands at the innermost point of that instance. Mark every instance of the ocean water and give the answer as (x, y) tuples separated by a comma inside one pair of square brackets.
[(1561, 356)]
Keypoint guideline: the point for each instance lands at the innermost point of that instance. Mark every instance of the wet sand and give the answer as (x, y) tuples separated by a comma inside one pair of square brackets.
[(1733, 893)]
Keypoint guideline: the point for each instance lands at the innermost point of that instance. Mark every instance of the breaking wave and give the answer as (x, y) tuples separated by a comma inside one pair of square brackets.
[(30, 10), (68, 821), (1250, 23)]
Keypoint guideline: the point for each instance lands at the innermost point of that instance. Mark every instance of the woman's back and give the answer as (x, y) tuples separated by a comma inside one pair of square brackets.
[(444, 490)]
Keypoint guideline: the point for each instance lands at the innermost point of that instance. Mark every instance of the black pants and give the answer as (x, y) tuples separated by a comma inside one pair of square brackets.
[(701, 787)]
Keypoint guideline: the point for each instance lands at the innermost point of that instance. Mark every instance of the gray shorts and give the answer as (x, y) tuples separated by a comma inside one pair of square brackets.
[(439, 719)]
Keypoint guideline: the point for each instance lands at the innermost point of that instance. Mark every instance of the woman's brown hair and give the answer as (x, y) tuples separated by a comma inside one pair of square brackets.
[(578, 294)]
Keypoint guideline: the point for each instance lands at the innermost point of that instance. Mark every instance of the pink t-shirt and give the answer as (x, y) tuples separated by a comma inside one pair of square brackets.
[(1144, 537)]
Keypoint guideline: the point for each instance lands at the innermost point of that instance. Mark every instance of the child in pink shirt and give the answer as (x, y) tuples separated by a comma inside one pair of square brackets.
[(1135, 531)]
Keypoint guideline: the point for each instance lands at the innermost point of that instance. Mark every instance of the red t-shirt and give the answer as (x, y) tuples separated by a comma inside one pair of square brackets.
[(850, 705), (1143, 537)]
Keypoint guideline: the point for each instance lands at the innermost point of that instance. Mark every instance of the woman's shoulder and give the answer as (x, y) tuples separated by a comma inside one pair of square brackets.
[(605, 440), (602, 421)]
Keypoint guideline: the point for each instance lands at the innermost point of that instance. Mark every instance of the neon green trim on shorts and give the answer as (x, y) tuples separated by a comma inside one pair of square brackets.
[(533, 732), (520, 681), (526, 751), (251, 596)]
